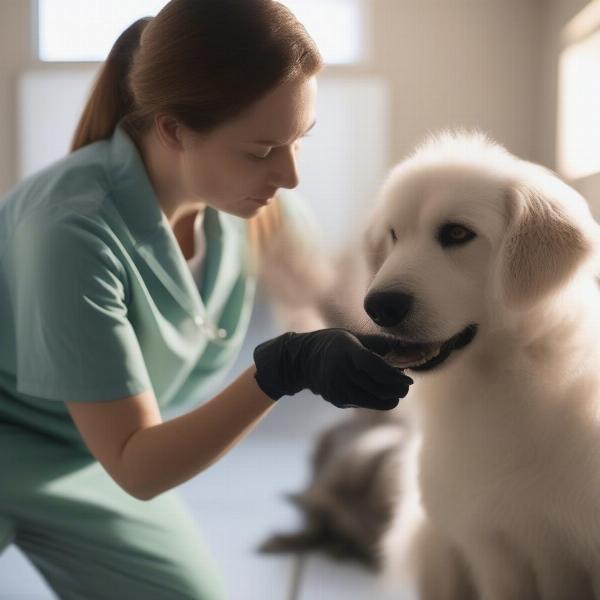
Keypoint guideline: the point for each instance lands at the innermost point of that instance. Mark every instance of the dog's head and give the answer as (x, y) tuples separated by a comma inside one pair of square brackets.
[(464, 229)]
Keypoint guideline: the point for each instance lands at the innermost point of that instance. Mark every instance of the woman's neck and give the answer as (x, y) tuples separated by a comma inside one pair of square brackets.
[(183, 229), (163, 173)]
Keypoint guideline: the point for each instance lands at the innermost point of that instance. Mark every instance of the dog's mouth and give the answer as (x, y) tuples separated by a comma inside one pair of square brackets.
[(428, 355)]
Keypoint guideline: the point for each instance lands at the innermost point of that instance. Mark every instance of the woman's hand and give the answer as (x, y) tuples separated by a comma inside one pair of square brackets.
[(345, 369)]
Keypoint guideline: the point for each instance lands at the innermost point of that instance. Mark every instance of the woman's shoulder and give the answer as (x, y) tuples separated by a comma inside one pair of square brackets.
[(74, 185)]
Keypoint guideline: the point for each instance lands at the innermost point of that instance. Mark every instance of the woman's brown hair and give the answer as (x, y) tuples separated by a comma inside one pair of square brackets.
[(202, 62)]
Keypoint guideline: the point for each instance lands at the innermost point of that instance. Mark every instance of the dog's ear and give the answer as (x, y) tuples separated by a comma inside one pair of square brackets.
[(542, 248)]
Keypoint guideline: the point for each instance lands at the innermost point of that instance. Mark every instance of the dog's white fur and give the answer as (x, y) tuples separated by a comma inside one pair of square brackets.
[(502, 501)]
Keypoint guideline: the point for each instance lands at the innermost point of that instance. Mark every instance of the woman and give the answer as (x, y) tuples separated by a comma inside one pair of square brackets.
[(191, 128)]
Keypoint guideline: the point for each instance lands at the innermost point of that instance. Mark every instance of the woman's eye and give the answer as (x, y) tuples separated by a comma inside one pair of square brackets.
[(453, 234), (259, 156)]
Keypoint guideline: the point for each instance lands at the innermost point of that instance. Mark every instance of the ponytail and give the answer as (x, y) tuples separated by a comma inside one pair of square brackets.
[(110, 98)]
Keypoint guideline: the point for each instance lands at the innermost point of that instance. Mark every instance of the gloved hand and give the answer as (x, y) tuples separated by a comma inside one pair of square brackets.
[(346, 369)]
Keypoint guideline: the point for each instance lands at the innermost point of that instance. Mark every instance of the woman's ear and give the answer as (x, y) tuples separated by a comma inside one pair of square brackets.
[(542, 248), (169, 132)]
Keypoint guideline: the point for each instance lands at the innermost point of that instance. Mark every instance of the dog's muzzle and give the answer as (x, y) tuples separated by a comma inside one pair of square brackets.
[(388, 309)]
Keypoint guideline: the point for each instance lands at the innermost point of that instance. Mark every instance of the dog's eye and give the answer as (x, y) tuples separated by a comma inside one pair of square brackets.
[(394, 237), (453, 234)]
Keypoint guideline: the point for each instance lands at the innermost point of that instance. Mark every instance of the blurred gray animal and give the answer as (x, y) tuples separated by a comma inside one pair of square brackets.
[(349, 499)]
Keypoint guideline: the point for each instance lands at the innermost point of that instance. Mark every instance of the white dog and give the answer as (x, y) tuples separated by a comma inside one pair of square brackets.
[(486, 266)]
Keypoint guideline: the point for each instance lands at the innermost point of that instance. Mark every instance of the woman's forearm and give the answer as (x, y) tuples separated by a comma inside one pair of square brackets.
[(163, 456)]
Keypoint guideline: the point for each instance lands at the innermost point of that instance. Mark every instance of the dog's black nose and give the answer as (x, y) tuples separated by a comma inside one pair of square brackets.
[(387, 308)]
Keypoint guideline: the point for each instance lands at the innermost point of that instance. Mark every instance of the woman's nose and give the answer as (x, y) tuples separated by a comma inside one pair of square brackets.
[(285, 173)]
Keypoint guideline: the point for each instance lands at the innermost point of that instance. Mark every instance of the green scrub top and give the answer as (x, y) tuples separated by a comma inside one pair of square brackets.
[(97, 301)]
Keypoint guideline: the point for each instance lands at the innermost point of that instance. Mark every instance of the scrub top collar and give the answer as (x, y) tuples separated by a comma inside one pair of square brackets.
[(152, 236), (131, 187)]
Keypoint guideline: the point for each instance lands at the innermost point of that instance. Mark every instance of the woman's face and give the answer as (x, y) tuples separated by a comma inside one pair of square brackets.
[(238, 167)]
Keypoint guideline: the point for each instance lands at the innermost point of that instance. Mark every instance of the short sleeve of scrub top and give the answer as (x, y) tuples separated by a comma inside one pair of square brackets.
[(73, 338)]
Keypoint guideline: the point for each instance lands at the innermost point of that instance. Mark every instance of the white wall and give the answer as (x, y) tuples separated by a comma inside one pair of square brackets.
[(461, 62), (49, 103), (15, 55)]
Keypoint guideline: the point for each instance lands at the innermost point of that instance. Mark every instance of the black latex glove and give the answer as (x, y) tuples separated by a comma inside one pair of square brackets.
[(345, 369)]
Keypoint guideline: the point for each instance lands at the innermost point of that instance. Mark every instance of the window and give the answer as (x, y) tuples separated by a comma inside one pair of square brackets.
[(578, 147), (337, 26), (84, 30)]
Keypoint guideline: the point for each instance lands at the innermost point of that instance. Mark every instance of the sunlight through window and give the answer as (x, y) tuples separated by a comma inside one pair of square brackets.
[(85, 30), (578, 143)]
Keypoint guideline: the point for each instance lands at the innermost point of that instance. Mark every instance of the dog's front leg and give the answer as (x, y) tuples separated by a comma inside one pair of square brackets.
[(499, 572), (561, 578), (595, 578), (414, 551), (440, 570)]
